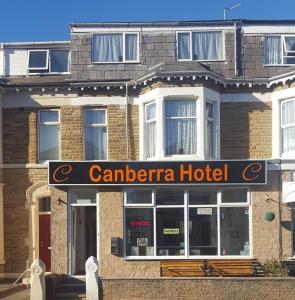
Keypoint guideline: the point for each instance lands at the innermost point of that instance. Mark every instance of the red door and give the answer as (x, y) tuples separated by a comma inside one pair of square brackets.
[(45, 241)]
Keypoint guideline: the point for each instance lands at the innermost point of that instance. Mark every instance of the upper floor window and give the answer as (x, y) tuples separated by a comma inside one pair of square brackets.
[(288, 125), (95, 134), (200, 45), (180, 127), (150, 129), (210, 129), (48, 61), (279, 50), (49, 135), (115, 47)]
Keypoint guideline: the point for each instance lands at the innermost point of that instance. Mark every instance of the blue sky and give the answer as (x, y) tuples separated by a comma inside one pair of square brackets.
[(41, 20)]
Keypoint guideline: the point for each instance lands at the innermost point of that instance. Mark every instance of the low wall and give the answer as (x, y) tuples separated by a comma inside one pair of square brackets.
[(199, 288)]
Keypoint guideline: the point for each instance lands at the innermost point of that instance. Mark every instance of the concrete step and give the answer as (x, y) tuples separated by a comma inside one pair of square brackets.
[(72, 287), (70, 296)]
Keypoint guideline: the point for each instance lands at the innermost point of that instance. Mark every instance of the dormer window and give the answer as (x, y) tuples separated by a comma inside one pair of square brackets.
[(279, 50), (115, 48), (202, 46), (48, 61)]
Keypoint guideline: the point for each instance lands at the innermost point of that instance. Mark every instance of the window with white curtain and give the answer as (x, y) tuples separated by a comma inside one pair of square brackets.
[(180, 127), (288, 125), (49, 135), (210, 135), (279, 49), (115, 47), (207, 45), (95, 134), (150, 129)]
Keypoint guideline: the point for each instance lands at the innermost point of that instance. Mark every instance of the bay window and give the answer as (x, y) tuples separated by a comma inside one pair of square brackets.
[(180, 127), (115, 47), (48, 135), (279, 49), (207, 45), (95, 134), (195, 222), (288, 125)]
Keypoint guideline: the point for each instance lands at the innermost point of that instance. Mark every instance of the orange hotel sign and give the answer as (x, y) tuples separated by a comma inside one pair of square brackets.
[(223, 172)]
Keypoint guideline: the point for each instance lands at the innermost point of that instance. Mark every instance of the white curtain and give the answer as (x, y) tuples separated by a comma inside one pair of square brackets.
[(183, 46), (49, 142), (131, 47), (95, 143), (207, 45), (180, 130), (288, 132), (210, 129), (150, 138), (107, 48), (272, 50)]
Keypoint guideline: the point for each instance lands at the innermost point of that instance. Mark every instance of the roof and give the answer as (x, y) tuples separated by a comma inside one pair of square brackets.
[(185, 23)]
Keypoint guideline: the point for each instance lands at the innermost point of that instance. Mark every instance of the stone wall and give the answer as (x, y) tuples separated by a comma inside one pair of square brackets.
[(16, 215), (199, 288), (245, 130), (19, 136)]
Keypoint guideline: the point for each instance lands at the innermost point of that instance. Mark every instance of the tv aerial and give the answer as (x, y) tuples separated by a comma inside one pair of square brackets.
[(228, 9)]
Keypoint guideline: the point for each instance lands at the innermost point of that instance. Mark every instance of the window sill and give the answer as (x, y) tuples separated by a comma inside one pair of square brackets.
[(206, 61), (48, 74), (186, 257), (115, 62)]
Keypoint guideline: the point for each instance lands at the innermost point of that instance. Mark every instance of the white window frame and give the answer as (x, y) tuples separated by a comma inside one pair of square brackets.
[(48, 62), (191, 45), (167, 99), (283, 49), (153, 102), (219, 204), (47, 59), (124, 61), (48, 124), (285, 126), (214, 121), (95, 126)]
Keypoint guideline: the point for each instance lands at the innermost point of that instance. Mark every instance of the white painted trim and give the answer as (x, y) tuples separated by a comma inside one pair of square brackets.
[(38, 68), (151, 28), (268, 29)]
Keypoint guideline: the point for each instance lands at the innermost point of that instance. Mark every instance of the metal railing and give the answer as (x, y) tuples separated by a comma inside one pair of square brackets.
[(27, 272)]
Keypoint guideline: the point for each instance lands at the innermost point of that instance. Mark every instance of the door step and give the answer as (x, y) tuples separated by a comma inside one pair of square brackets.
[(71, 289)]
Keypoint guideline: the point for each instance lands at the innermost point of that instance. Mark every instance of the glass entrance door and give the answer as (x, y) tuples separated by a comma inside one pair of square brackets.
[(83, 230)]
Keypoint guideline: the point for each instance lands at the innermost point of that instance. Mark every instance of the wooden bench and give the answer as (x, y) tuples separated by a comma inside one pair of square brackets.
[(231, 267), (183, 268)]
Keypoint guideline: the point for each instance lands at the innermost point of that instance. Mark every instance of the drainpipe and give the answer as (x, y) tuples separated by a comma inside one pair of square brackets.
[(236, 50), (280, 183), (127, 121)]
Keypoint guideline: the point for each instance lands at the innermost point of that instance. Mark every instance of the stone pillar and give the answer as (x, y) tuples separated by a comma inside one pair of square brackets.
[(38, 289), (92, 284)]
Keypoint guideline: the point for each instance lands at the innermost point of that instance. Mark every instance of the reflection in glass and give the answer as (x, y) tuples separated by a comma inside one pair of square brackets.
[(139, 232), (170, 231), (200, 197), (169, 197), (234, 195), (203, 231), (136, 196), (234, 231)]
